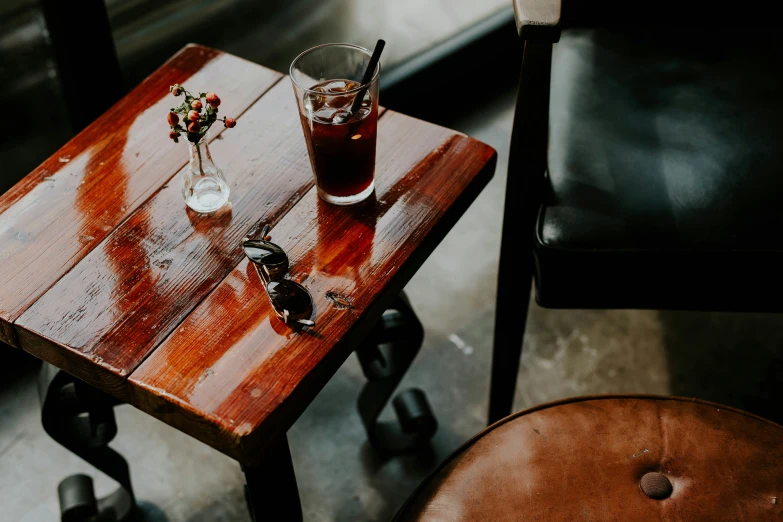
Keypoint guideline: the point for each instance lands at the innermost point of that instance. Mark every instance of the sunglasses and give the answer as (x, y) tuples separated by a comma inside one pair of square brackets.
[(290, 301)]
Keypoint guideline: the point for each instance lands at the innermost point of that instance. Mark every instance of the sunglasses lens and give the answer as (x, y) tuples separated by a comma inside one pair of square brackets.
[(287, 295), (264, 253)]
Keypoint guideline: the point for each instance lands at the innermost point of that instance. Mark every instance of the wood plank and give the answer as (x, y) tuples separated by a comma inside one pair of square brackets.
[(130, 292), (70, 203), (233, 375)]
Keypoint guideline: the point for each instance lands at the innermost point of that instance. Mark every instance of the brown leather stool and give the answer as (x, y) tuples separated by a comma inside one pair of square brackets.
[(618, 458)]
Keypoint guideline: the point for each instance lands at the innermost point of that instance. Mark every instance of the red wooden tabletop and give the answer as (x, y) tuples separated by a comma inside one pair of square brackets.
[(108, 276)]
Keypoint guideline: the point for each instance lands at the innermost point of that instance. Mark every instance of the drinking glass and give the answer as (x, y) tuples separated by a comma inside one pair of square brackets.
[(339, 133)]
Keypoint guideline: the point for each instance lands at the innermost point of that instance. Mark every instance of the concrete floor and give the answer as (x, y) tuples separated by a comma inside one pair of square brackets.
[(729, 358)]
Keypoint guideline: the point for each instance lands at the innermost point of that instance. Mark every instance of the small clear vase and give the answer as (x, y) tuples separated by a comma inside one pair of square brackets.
[(203, 185)]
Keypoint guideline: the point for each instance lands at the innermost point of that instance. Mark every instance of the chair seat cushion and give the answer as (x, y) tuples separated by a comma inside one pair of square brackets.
[(665, 171), (608, 459)]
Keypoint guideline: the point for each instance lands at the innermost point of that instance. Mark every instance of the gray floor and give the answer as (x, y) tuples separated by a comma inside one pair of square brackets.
[(729, 358)]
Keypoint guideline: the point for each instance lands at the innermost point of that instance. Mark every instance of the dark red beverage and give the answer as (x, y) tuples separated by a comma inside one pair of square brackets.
[(341, 145)]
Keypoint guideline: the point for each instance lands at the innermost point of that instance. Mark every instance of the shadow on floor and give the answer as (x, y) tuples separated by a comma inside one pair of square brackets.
[(151, 513), (412, 468), (732, 359)]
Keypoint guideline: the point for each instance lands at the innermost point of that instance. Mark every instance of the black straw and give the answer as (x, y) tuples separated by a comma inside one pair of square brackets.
[(374, 59)]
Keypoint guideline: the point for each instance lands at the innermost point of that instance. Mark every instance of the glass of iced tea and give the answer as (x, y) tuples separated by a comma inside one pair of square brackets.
[(340, 134)]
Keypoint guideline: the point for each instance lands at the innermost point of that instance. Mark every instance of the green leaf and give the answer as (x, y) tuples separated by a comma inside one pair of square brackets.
[(202, 95), (176, 140)]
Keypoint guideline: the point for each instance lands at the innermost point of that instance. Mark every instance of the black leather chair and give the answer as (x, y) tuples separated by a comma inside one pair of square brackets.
[(646, 169)]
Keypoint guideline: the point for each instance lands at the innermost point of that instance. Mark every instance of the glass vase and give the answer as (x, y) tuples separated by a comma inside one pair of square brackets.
[(203, 186)]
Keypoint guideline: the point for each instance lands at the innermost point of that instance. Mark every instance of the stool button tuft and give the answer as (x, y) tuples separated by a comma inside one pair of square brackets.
[(656, 485)]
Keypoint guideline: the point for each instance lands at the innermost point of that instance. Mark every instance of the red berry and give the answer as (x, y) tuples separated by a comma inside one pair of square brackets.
[(173, 119), (196, 104), (194, 126), (176, 90), (213, 100), (230, 122), (193, 116), (173, 134)]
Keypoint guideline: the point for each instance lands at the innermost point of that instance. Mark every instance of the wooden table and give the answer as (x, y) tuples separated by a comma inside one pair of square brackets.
[(107, 276)]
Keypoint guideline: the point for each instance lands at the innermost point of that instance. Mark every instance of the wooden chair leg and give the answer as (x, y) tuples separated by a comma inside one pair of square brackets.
[(526, 168), (514, 278)]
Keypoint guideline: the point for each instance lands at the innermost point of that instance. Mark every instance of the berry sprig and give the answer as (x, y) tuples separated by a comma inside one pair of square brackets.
[(195, 120)]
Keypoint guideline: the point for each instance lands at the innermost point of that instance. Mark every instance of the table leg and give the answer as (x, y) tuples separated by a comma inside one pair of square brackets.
[(271, 491), (81, 419), (385, 356)]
